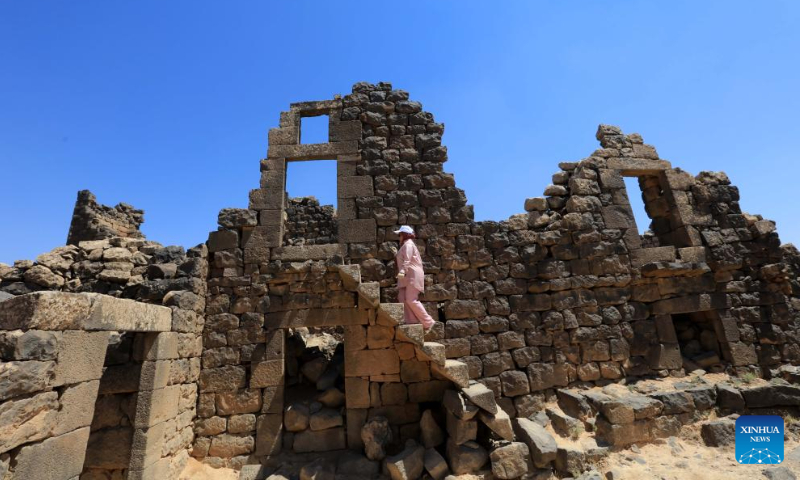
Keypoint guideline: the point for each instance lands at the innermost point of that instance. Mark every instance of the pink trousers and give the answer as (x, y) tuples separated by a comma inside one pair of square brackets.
[(414, 311)]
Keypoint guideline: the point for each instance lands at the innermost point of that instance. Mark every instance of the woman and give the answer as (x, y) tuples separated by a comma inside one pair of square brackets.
[(411, 279)]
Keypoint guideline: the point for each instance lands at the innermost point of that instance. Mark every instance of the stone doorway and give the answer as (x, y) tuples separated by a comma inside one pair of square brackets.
[(689, 341), (314, 417)]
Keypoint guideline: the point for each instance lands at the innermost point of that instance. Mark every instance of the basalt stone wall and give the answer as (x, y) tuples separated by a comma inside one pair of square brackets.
[(565, 293), (246, 409), (93, 221), (249, 309), (309, 223), (147, 272)]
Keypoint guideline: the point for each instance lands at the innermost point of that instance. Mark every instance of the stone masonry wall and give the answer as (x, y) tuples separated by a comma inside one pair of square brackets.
[(309, 223), (567, 293), (53, 349), (93, 221), (150, 273)]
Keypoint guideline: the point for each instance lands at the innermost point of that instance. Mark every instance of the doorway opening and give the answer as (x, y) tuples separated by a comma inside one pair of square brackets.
[(698, 340), (314, 418)]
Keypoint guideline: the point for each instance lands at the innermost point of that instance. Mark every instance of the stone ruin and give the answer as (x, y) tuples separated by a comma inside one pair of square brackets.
[(278, 348), (92, 221)]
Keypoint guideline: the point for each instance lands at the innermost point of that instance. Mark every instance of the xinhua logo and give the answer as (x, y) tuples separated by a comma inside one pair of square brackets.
[(759, 439)]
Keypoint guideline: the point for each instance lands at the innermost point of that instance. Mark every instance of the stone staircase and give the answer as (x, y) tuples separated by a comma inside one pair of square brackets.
[(392, 315), (466, 404)]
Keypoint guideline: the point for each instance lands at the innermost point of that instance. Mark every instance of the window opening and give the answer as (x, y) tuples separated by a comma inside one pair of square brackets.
[(311, 203), (314, 129), (637, 204)]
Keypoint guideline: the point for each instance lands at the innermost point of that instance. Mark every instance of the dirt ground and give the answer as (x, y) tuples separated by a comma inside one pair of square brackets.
[(197, 471), (680, 459), (686, 458)]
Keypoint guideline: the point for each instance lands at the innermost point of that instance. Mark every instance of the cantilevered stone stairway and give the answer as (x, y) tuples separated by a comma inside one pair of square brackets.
[(392, 315)]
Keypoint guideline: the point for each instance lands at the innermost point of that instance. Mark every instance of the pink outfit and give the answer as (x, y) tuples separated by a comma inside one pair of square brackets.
[(409, 262)]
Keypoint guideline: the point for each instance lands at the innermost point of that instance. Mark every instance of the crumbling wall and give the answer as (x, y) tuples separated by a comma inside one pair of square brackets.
[(54, 345), (147, 272), (309, 223), (93, 221), (567, 293)]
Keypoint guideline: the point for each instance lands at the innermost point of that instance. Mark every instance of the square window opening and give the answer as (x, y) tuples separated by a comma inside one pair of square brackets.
[(314, 129)]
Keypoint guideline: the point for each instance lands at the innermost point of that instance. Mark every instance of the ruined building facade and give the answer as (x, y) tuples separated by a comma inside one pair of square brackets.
[(565, 294)]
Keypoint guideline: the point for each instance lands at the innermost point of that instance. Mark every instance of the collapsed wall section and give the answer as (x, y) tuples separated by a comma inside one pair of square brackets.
[(94, 221)]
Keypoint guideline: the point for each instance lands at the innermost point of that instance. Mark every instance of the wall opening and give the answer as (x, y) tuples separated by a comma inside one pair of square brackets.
[(114, 409), (314, 129), (311, 203), (637, 204), (698, 341), (315, 395)]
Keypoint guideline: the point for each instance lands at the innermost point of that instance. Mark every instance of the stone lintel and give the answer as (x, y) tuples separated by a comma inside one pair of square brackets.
[(692, 303), (313, 151), (634, 167), (315, 108)]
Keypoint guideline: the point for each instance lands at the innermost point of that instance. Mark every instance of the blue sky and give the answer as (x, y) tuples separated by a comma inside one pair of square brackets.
[(166, 105)]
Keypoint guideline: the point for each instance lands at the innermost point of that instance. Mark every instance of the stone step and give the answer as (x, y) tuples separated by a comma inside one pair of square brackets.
[(481, 395), (432, 352), (351, 277), (453, 370), (370, 294), (390, 314), (411, 333)]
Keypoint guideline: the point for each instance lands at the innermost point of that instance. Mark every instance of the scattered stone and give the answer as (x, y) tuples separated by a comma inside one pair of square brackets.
[(542, 445), (296, 417), (353, 463), (326, 418), (466, 458), (779, 473), (435, 464), (729, 398), (332, 397), (432, 434), (718, 433), (772, 396), (510, 461), (376, 434), (408, 464), (570, 459), (499, 423)]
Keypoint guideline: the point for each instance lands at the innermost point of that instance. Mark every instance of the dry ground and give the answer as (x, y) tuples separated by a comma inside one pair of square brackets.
[(197, 471), (686, 458)]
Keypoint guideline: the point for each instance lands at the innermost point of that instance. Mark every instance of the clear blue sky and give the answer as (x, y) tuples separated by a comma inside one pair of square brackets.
[(166, 105)]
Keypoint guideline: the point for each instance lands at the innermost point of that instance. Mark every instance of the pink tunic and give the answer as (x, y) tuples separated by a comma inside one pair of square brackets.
[(409, 262)]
